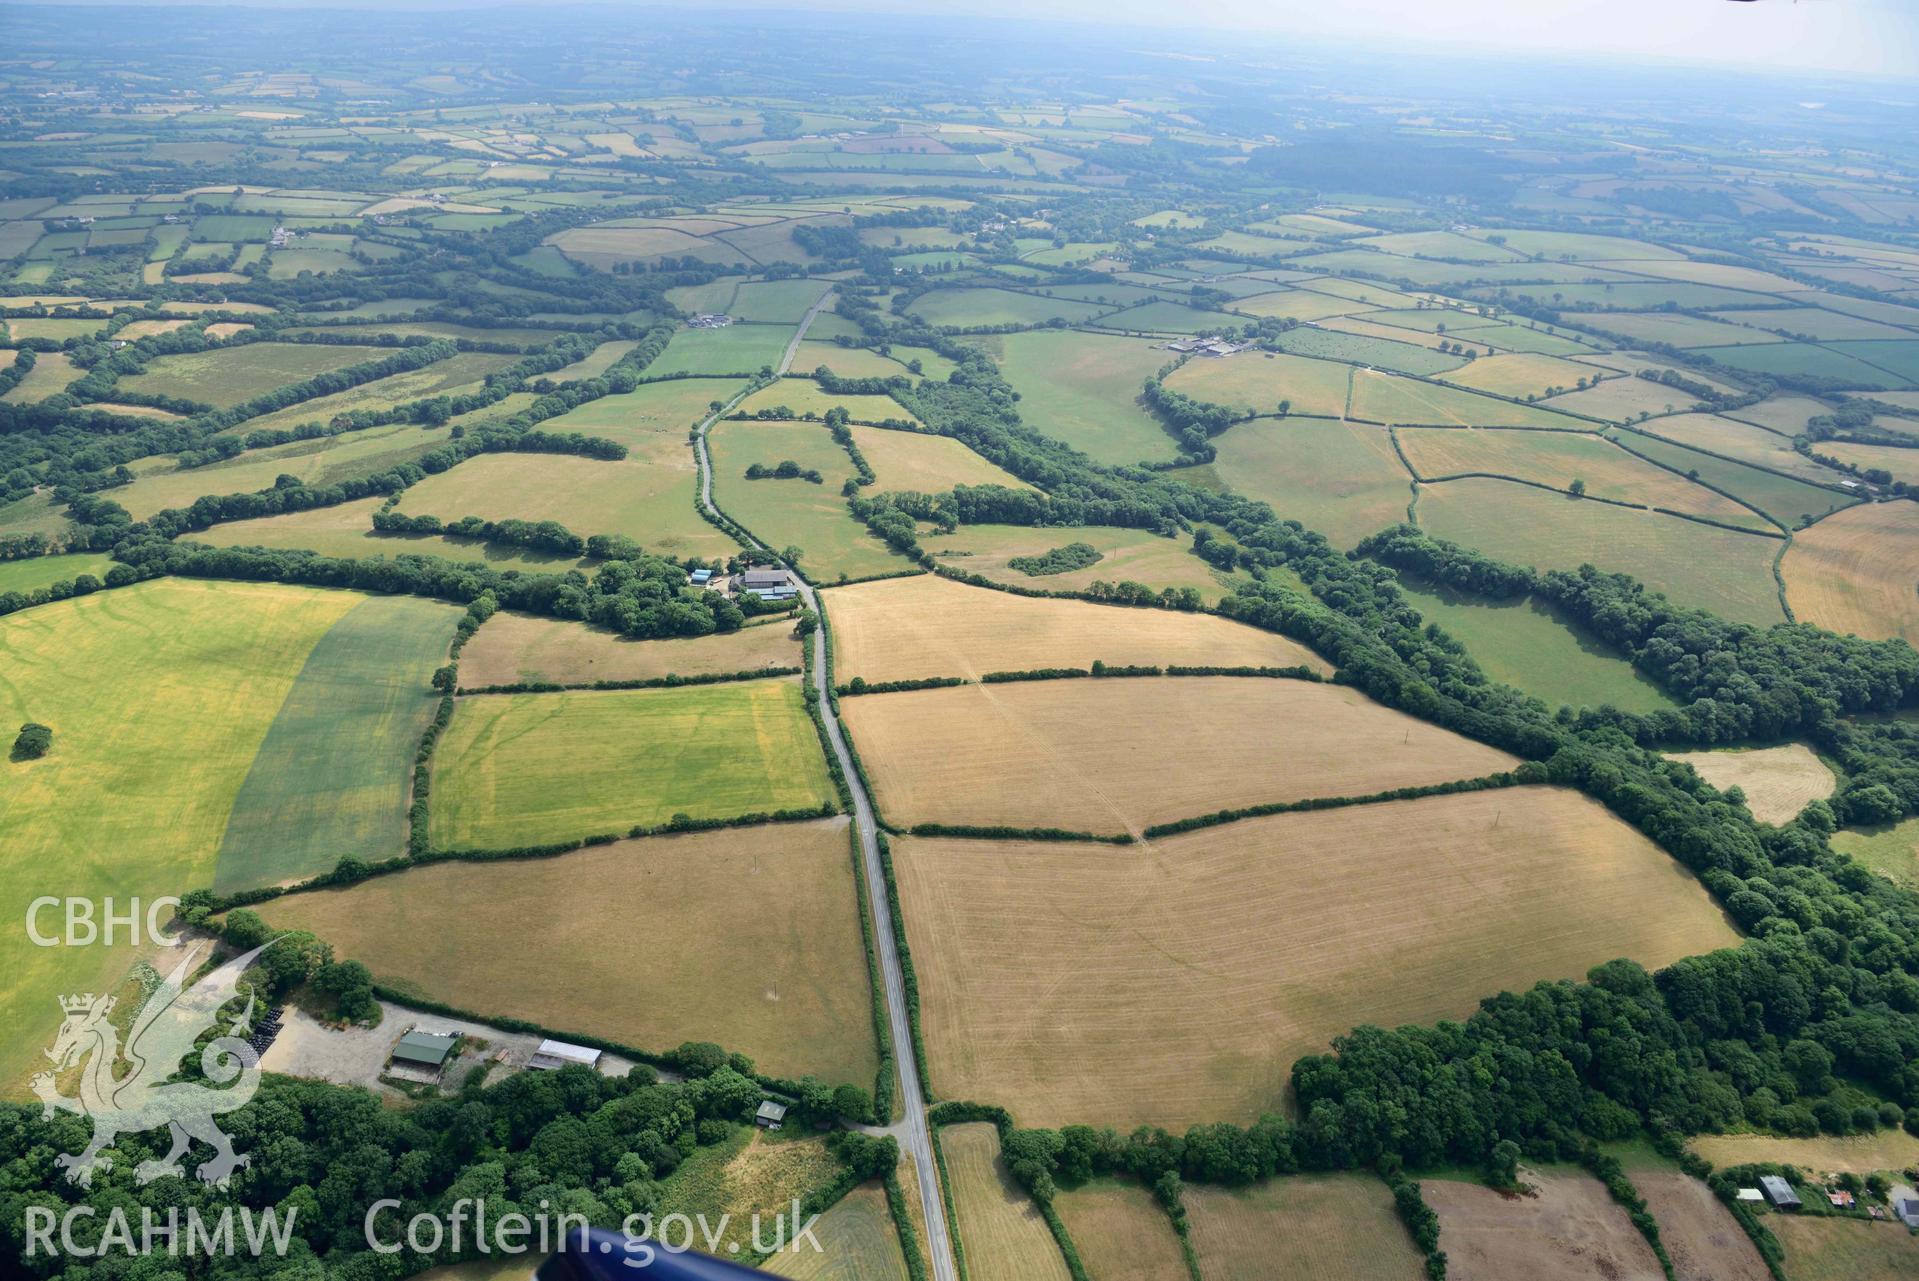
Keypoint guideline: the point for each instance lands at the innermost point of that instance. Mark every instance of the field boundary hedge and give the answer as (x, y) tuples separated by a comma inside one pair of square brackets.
[(1527, 775), (669, 681)]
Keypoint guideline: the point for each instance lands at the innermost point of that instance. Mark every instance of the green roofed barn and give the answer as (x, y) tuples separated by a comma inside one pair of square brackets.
[(423, 1053)]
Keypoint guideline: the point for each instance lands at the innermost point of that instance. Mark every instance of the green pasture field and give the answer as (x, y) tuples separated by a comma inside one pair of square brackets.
[(525, 337), (132, 806), (1531, 338), (1892, 850), (1384, 353), (1295, 304), (594, 363), (1257, 381), (1786, 500), (346, 530), (1165, 318), (968, 308), (1435, 320), (798, 513), (1676, 330), (44, 571), (783, 302), (1527, 645), (648, 496), (233, 227), (1634, 295), (227, 376), (34, 514), (803, 396), (1696, 565), (1438, 244), (325, 460), (1342, 479), (54, 328), (1900, 358), (1520, 373), (1135, 555), (1816, 323), (523, 769), (1804, 359), (455, 375), (1578, 246), (1084, 389), (52, 373), (654, 418), (847, 362), (1384, 398), (1727, 436), (285, 264), (1561, 459), (734, 350), (331, 778)]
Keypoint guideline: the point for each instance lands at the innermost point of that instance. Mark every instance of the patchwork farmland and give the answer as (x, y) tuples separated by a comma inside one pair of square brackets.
[(1222, 661)]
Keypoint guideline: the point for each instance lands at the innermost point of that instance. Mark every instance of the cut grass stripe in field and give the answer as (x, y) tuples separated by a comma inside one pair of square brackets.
[(330, 779), (159, 696), (525, 769)]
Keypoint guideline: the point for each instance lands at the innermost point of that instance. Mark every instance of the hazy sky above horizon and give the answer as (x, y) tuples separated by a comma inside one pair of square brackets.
[(1875, 37)]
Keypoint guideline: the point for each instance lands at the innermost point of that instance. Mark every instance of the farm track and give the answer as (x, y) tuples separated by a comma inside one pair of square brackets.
[(913, 1133)]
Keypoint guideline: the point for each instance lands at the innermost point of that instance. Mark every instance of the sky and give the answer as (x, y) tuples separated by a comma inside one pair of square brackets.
[(1868, 37), (1873, 37)]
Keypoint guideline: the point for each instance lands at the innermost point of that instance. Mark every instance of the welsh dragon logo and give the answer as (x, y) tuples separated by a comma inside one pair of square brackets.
[(169, 1024)]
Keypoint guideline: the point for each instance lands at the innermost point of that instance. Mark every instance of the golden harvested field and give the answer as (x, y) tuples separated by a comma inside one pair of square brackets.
[(928, 464), (1560, 458), (1826, 1154), (1342, 479), (520, 647), (1788, 413), (650, 500), (1778, 781), (1901, 464), (1136, 555), (649, 942), (999, 1227), (857, 1243), (1730, 438), (1389, 399), (1845, 1249), (1122, 754), (913, 628), (1121, 1232), (1257, 381), (1177, 981), (1569, 1229), (1697, 565), (1307, 1226), (1519, 373), (1705, 1242), (1619, 400), (1853, 572)]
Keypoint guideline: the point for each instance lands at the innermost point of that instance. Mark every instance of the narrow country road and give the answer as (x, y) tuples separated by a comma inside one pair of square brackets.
[(913, 1133)]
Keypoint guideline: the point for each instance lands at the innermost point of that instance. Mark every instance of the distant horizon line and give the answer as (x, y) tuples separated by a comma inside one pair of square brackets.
[(1201, 31)]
